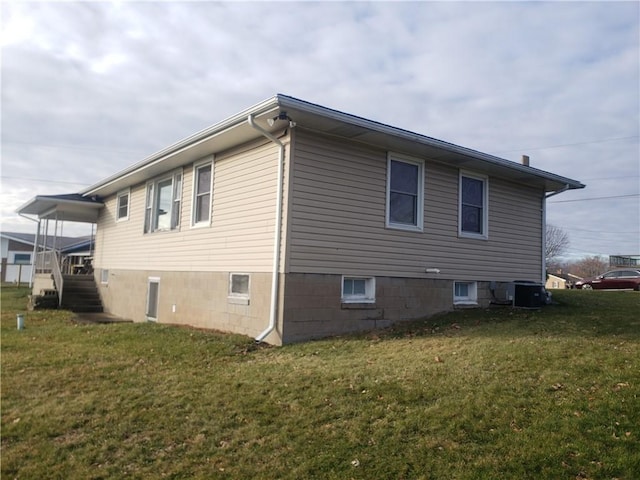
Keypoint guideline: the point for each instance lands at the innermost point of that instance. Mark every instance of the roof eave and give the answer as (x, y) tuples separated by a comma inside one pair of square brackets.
[(217, 129), (180, 152)]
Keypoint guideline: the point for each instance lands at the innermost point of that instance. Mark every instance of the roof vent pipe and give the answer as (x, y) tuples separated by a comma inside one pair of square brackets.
[(525, 160)]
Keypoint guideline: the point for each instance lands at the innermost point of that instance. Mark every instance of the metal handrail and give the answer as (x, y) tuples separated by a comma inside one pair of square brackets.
[(46, 262)]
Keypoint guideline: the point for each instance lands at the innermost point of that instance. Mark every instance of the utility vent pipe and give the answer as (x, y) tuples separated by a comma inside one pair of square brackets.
[(525, 160)]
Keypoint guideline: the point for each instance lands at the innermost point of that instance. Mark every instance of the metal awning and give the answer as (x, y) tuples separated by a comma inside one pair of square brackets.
[(67, 208)]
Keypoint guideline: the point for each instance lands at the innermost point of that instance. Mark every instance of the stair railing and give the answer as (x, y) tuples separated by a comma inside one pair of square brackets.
[(58, 280)]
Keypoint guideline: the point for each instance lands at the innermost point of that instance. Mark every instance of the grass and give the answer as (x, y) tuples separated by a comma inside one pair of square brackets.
[(474, 394)]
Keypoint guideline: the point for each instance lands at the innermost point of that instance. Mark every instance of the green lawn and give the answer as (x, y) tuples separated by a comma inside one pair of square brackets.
[(496, 394)]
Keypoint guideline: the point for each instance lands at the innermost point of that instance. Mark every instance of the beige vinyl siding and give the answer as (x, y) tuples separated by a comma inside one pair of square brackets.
[(338, 220), (240, 237)]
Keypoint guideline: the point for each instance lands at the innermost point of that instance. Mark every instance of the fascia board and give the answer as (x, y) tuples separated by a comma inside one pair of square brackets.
[(287, 102)]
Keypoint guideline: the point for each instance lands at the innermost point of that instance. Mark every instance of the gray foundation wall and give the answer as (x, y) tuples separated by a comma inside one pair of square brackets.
[(199, 299), (313, 307), (310, 305)]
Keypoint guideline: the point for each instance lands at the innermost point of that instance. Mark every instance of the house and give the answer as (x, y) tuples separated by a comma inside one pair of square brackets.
[(557, 281), (18, 250), (290, 221)]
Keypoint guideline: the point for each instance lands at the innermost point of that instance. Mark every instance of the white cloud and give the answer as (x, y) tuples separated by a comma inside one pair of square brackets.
[(88, 88)]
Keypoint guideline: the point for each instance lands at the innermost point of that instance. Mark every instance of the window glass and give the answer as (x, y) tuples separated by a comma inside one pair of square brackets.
[(465, 292), (149, 209), (239, 284), (177, 195), (356, 289), (22, 258), (404, 193), (472, 205), (354, 286), (202, 199), (163, 205), (123, 206), (462, 289)]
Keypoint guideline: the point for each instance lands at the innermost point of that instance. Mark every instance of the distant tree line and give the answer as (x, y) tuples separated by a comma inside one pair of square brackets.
[(585, 267), (557, 243)]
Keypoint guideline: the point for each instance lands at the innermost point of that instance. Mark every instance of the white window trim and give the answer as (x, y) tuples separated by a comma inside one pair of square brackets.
[(419, 227), (194, 186), (151, 280), (370, 290), (239, 298), (471, 299), (104, 276), (485, 206), (119, 195), (154, 184)]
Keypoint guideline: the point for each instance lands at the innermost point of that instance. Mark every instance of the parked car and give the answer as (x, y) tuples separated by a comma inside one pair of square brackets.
[(613, 280)]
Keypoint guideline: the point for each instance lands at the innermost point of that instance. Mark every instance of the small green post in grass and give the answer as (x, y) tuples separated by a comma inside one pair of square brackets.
[(20, 321)]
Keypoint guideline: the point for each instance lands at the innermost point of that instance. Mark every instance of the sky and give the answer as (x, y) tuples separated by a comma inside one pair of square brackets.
[(89, 88)]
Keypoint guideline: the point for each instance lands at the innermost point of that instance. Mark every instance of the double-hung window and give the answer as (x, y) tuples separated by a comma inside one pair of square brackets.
[(162, 207), (405, 193), (122, 207), (472, 217), (202, 186)]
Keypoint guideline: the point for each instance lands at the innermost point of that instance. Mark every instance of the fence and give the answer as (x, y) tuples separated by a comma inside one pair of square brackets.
[(18, 273)]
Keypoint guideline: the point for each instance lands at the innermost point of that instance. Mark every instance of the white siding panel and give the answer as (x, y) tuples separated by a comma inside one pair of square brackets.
[(240, 237), (338, 220)]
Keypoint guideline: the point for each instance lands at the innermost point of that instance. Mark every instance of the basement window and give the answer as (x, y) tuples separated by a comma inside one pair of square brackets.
[(104, 276), (465, 293), (358, 289), (239, 284)]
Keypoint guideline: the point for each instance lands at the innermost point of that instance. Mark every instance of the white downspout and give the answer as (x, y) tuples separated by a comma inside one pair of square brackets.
[(273, 314)]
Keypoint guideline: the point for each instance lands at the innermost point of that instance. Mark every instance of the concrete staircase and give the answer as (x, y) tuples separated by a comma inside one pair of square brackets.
[(80, 294)]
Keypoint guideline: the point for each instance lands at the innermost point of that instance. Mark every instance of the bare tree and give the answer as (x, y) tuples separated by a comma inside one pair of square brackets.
[(590, 267), (556, 242)]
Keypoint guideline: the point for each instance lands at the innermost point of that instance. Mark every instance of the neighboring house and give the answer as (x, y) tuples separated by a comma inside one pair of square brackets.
[(18, 249), (556, 282), (291, 221)]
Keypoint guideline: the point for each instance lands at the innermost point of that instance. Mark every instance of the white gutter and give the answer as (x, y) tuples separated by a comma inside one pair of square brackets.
[(273, 314)]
